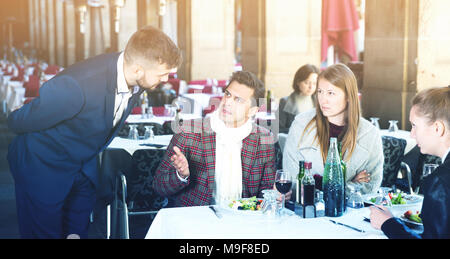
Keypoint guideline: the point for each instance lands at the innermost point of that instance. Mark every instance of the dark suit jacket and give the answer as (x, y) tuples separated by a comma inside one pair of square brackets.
[(435, 208), (61, 132), (198, 143)]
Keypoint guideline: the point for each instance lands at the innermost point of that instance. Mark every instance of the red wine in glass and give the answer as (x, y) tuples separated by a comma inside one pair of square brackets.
[(283, 186)]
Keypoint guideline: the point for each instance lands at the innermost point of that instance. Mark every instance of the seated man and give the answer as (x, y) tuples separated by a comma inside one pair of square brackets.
[(226, 156)]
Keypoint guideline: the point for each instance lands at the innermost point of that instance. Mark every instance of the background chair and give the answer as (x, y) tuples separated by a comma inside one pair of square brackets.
[(134, 194), (393, 150)]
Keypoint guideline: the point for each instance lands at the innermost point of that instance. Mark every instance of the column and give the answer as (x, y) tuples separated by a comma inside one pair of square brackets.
[(404, 53), (278, 37), (206, 37)]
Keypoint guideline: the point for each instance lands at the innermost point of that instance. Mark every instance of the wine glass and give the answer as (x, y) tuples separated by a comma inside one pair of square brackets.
[(355, 199), (393, 126), (149, 112), (133, 134), (427, 170), (149, 133), (283, 184), (382, 197), (374, 121)]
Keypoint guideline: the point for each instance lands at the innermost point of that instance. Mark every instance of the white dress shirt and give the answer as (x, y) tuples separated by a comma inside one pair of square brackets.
[(123, 92)]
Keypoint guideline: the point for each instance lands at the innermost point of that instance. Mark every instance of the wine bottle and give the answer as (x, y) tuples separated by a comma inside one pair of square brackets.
[(301, 173), (333, 182), (308, 186), (269, 102)]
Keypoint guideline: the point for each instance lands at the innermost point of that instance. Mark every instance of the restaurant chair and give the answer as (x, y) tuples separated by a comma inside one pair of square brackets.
[(134, 194), (393, 150), (415, 160)]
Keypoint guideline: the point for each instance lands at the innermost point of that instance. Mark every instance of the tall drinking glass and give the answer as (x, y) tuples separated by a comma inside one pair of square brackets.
[(393, 126), (133, 134), (283, 183), (374, 121), (149, 133)]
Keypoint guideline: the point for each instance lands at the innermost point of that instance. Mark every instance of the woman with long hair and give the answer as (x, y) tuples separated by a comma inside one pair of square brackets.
[(337, 115)]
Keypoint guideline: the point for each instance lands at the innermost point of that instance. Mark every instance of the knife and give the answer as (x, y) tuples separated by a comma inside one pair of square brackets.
[(216, 212), (345, 225)]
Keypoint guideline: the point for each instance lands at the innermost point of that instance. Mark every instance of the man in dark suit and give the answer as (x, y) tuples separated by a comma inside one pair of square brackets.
[(225, 156), (430, 120), (60, 133)]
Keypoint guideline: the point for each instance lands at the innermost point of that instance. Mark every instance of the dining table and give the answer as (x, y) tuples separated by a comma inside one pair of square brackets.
[(139, 118), (200, 222)]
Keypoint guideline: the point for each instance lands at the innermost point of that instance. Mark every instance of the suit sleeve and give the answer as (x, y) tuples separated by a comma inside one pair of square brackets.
[(59, 99), (166, 182), (435, 211), (268, 177)]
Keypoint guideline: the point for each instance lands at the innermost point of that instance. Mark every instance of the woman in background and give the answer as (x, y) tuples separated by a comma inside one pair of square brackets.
[(301, 99)]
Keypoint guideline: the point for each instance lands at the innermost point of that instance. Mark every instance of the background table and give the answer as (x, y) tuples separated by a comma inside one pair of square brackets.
[(201, 223)]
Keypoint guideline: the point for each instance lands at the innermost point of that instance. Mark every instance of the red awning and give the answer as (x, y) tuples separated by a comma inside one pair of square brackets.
[(339, 21)]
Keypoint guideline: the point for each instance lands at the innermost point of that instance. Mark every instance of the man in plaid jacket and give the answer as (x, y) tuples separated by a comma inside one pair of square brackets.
[(188, 173)]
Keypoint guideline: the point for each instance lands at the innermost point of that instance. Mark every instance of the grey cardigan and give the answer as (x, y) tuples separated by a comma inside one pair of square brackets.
[(368, 153)]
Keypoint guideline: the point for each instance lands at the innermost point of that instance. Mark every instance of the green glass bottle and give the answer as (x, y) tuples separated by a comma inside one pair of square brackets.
[(301, 173), (344, 172), (269, 102), (333, 182)]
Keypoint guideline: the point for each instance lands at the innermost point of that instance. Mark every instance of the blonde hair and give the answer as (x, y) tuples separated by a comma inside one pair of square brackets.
[(434, 104), (340, 76), (151, 45)]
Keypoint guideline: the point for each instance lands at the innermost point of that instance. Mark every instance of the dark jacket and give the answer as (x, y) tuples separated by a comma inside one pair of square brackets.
[(61, 132), (435, 208), (286, 112)]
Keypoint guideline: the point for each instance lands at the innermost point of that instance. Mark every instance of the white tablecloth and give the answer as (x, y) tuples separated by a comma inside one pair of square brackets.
[(137, 118), (132, 145), (201, 101), (403, 134), (201, 223)]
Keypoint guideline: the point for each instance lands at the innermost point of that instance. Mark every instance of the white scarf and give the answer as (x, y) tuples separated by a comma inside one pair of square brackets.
[(228, 173)]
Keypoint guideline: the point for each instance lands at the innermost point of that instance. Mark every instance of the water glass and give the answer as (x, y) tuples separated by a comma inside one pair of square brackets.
[(393, 126), (355, 199), (383, 197), (133, 134), (149, 133), (374, 121)]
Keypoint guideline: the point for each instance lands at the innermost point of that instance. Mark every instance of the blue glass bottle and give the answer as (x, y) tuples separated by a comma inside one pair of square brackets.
[(333, 182)]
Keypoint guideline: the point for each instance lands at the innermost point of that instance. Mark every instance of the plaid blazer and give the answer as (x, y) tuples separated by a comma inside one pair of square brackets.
[(197, 141)]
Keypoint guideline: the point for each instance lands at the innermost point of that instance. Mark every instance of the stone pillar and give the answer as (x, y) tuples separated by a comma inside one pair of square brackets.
[(128, 23), (404, 53), (278, 37), (59, 33), (206, 37)]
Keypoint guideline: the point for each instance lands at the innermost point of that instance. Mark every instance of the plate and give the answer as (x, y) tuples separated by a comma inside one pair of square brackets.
[(410, 199), (410, 222), (235, 209)]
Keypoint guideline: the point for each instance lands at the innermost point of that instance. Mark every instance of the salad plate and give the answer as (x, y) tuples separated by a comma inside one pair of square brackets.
[(245, 205), (411, 218), (397, 199)]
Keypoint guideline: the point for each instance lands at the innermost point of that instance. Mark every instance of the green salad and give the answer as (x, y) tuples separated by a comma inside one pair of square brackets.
[(246, 204)]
